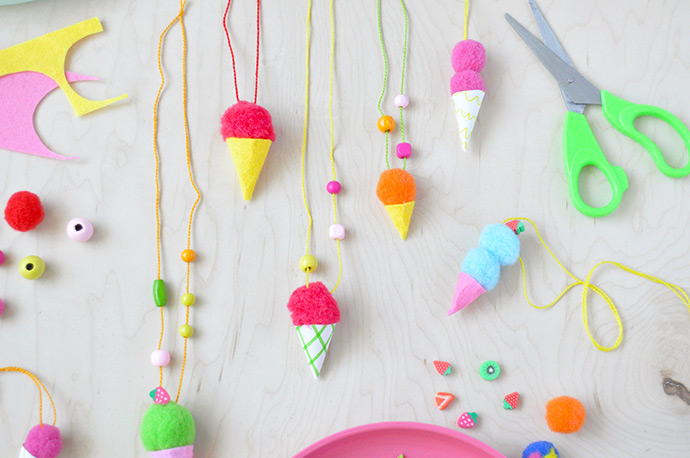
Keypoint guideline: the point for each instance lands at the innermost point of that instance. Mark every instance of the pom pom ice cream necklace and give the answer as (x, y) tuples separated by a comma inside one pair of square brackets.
[(247, 127), (313, 309), (396, 187), (167, 429)]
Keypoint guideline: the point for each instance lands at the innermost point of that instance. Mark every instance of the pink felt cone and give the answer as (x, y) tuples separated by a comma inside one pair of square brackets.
[(466, 291), (178, 452)]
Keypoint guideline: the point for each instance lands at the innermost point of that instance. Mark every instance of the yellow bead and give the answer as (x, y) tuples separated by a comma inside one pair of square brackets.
[(186, 331), (188, 299), (308, 263), (32, 267), (386, 124), (188, 255)]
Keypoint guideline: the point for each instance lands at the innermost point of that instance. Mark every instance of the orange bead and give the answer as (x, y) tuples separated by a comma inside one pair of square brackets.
[(386, 124), (188, 255)]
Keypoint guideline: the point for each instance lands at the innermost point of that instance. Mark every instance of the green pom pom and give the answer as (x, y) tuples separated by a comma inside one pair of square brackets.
[(167, 426)]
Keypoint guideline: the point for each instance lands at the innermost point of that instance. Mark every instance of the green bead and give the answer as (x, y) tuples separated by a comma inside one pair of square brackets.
[(186, 331), (32, 267), (308, 263), (188, 299), (160, 293)]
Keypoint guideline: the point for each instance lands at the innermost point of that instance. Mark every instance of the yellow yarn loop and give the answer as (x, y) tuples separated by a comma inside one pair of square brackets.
[(587, 285)]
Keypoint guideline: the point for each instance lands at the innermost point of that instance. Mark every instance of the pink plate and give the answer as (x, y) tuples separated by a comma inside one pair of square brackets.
[(391, 439)]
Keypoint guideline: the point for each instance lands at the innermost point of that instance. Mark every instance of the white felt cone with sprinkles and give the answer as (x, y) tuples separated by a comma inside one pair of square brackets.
[(246, 127), (466, 86)]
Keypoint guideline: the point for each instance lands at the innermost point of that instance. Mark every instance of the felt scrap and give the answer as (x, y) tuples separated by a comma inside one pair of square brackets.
[(46, 54), (20, 95)]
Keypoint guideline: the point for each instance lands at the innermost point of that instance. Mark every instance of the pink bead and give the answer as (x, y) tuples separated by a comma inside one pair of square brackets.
[(401, 101), (2, 257), (2, 306), (333, 187), (336, 231), (79, 230), (160, 358), (403, 150)]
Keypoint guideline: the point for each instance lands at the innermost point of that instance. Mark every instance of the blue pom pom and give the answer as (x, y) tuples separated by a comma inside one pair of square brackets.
[(541, 449), (482, 266), (502, 242)]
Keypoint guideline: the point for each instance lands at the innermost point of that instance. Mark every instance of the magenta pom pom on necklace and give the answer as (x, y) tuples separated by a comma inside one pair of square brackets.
[(246, 127), (313, 309), (167, 428), (42, 441), (466, 86)]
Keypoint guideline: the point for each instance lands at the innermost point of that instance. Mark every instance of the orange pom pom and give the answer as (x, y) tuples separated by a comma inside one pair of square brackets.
[(565, 414), (396, 186)]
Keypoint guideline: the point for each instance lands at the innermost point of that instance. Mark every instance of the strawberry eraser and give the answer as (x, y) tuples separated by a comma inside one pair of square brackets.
[(467, 420), (442, 367), (510, 401), (160, 396)]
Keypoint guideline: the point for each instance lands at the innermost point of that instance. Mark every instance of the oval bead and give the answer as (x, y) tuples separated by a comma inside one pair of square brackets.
[(160, 293)]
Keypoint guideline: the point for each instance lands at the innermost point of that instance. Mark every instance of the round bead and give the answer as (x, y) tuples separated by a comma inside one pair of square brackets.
[(186, 331), (79, 230), (160, 358), (386, 124), (188, 299), (333, 187), (2, 257), (401, 101), (308, 263), (336, 231), (32, 267), (403, 150), (188, 255)]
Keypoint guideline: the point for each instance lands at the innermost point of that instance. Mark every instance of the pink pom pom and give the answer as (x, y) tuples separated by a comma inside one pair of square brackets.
[(466, 80), (313, 305), (43, 441), (247, 120), (468, 55)]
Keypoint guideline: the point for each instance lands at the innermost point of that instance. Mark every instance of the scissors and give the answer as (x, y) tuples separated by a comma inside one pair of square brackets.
[(580, 148)]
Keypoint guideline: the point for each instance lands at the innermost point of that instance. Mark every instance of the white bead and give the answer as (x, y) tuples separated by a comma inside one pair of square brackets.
[(336, 231), (401, 101)]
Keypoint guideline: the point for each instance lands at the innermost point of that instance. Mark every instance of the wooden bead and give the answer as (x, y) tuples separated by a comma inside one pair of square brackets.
[(308, 263), (188, 255), (186, 331), (386, 124)]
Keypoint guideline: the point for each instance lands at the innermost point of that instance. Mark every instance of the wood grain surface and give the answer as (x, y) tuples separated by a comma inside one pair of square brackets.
[(88, 326)]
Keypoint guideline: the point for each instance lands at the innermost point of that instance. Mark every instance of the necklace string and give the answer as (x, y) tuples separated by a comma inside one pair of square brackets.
[(232, 54), (180, 18), (41, 388), (385, 75), (332, 137)]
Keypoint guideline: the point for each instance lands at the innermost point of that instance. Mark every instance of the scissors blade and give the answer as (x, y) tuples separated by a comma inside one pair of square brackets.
[(573, 84)]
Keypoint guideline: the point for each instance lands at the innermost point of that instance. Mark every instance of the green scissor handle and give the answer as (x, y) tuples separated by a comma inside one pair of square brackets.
[(580, 149), (622, 115)]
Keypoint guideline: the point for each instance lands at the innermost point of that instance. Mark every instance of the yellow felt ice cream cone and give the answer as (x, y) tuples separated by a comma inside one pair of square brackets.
[(248, 155), (248, 131), (401, 214), (397, 191)]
